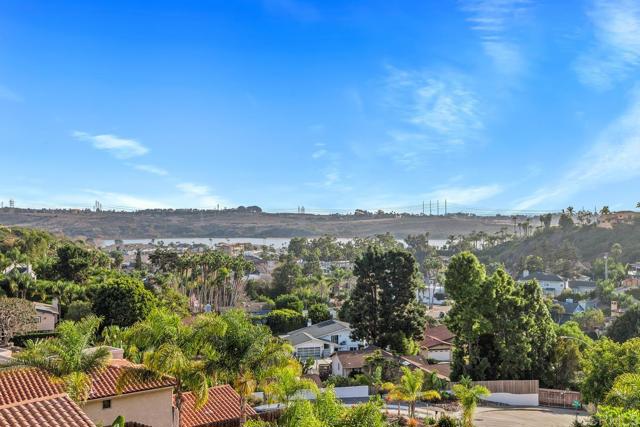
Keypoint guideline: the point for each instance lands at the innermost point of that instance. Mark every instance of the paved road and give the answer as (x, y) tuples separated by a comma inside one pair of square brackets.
[(525, 417)]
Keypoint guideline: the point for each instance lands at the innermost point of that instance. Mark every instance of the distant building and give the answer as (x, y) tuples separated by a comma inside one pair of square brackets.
[(615, 218), (582, 286), (22, 269), (322, 339), (437, 343), (431, 294), (551, 284), (47, 316)]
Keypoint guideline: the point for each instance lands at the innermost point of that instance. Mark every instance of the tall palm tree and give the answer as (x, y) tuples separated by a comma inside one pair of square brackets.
[(469, 396), (409, 389), (65, 357), (285, 382)]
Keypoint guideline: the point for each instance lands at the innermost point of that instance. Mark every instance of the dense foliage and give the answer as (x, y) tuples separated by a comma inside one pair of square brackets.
[(382, 308), (502, 328)]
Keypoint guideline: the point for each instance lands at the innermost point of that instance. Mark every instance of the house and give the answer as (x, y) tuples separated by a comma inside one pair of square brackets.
[(25, 269), (47, 316), (582, 286), (221, 410), (615, 218), (147, 403), (347, 363), (551, 284), (437, 343), (55, 410), (322, 339), (570, 308)]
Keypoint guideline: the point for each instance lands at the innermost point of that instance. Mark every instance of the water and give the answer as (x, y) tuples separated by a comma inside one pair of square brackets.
[(276, 242)]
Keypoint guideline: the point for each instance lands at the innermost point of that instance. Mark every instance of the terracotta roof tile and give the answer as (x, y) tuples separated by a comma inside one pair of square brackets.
[(223, 405), (104, 382), (52, 411), (357, 359), (437, 335)]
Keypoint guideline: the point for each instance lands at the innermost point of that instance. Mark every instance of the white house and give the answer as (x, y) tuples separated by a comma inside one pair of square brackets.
[(551, 284), (322, 339)]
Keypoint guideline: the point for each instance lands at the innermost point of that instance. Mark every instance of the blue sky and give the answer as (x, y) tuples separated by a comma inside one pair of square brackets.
[(490, 104)]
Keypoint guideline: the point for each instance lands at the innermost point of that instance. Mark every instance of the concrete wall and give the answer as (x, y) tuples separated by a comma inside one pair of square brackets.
[(513, 399), (351, 392), (153, 408), (47, 321)]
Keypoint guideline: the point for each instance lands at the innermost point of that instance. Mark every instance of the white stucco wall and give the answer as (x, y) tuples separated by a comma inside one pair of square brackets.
[(514, 399), (152, 408)]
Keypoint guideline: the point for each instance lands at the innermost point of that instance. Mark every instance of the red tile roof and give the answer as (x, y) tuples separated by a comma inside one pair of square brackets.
[(357, 359), (437, 335), (26, 384), (222, 406), (51, 411)]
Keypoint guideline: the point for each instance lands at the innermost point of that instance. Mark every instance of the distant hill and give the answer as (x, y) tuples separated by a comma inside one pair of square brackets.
[(588, 242), (242, 223)]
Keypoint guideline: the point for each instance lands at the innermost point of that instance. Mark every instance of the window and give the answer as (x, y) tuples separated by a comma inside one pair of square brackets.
[(106, 404), (37, 319), (334, 339), (307, 352)]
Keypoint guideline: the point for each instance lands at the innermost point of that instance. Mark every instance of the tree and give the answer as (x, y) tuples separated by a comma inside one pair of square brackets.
[(409, 389), (546, 220), (625, 391), (16, 315), (122, 301), (319, 313), (165, 346), (469, 396), (589, 320), (383, 308), (565, 222), (285, 320), (285, 275), (503, 329), (533, 263), (566, 357), (285, 382), (603, 362), (605, 210), (626, 326), (138, 264), (290, 302), (78, 310), (65, 356)]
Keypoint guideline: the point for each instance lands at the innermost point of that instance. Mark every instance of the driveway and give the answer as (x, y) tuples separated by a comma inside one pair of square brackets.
[(525, 417)]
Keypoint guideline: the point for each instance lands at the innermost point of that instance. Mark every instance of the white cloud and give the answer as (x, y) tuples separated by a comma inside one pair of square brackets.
[(465, 196), (121, 148), (120, 201), (438, 109), (612, 158), (493, 20), (616, 52), (200, 196), (9, 95), (319, 153), (151, 169)]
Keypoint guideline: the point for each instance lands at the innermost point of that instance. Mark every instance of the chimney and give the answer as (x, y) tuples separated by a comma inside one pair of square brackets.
[(525, 273), (55, 303)]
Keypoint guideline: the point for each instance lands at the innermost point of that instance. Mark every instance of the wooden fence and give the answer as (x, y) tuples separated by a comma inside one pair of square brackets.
[(559, 398), (511, 386)]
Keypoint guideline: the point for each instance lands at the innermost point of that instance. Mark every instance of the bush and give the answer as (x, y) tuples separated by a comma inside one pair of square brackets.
[(78, 310), (447, 421), (122, 301), (290, 302), (285, 320), (20, 340), (319, 313)]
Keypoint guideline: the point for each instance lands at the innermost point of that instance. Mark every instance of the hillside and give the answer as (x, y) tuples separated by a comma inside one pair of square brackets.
[(587, 243), (233, 223)]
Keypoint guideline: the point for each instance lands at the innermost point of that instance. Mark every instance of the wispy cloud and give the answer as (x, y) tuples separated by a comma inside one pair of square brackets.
[(615, 54), (151, 169), (121, 148), (199, 195), (466, 196), (115, 200), (9, 95), (493, 20), (438, 109), (612, 158)]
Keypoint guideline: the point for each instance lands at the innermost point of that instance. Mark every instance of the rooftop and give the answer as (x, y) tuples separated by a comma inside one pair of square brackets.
[(222, 405), (51, 411), (316, 331), (437, 335)]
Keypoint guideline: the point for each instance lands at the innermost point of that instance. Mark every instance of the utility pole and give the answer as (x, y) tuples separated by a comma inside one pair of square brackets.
[(445, 207), (606, 266), (423, 208), (438, 207), (430, 213)]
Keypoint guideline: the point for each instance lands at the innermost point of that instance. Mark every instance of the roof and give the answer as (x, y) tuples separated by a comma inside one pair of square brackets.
[(357, 359), (538, 275), (321, 329), (222, 405), (438, 335), (581, 284), (40, 306), (27, 384), (442, 370), (51, 411)]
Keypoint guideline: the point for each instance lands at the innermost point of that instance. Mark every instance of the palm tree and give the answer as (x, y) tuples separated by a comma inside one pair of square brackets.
[(165, 346), (285, 382), (469, 396), (410, 389), (66, 357)]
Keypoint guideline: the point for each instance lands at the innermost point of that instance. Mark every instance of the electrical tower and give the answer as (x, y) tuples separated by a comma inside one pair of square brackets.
[(12, 203)]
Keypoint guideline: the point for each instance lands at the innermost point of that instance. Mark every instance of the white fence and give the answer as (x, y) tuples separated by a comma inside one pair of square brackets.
[(513, 399)]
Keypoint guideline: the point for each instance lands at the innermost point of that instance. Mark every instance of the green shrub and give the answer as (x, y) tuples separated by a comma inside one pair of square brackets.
[(290, 302), (20, 340), (78, 310), (285, 320)]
